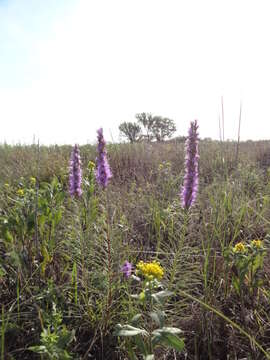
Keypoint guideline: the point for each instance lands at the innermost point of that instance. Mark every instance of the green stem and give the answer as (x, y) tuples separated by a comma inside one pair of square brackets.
[(18, 297), (151, 309), (179, 249), (109, 269)]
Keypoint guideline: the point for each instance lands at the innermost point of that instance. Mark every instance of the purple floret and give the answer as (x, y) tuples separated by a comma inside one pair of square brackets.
[(126, 269), (75, 173), (191, 179), (103, 173)]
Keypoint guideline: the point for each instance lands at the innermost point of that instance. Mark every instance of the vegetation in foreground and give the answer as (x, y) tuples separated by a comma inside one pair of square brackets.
[(74, 270)]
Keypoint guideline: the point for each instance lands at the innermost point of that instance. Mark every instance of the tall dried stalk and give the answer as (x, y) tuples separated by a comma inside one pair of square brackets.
[(36, 199), (238, 138), (222, 113)]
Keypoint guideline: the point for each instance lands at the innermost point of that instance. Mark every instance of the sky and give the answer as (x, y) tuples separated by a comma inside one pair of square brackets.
[(69, 67)]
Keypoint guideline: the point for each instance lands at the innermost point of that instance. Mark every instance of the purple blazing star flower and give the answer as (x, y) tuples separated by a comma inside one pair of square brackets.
[(75, 173), (103, 173), (191, 179), (126, 269)]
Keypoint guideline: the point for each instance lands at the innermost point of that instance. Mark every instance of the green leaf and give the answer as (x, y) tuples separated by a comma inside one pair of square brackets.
[(168, 330), (155, 318), (172, 330), (158, 317), (167, 336), (40, 349), (161, 295), (46, 259), (149, 357), (236, 284), (8, 236), (173, 341), (2, 271), (135, 318), (258, 263), (128, 330), (58, 217), (156, 339)]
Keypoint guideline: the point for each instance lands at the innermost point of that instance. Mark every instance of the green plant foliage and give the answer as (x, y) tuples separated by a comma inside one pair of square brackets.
[(54, 338), (247, 259), (61, 257), (150, 295)]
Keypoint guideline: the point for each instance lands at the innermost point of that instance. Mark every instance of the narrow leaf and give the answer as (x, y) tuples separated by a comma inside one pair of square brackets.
[(128, 330)]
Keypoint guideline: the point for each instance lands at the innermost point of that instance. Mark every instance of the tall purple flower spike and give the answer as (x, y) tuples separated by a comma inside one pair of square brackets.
[(75, 173), (103, 173), (191, 179)]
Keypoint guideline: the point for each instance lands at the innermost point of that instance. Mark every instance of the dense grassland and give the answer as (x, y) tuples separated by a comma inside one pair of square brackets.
[(61, 288)]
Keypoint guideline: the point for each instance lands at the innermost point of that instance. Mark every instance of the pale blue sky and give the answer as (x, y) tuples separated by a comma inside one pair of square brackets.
[(23, 25), (68, 67)]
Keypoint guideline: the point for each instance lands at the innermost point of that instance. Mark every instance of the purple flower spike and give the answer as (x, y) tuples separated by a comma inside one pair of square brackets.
[(75, 173), (126, 269), (191, 179), (103, 173)]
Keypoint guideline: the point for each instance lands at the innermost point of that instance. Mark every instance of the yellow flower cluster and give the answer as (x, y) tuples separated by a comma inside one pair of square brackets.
[(257, 243), (164, 165), (20, 192), (151, 270), (239, 248), (32, 180)]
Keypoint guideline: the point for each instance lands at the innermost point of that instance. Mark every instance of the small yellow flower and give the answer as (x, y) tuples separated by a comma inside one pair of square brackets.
[(256, 243), (6, 185), (151, 270), (20, 192), (33, 180), (91, 165), (239, 248)]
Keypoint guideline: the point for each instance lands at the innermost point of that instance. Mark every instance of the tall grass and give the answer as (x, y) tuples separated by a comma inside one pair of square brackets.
[(146, 222)]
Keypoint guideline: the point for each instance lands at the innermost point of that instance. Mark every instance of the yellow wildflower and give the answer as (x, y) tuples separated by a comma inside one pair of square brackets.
[(33, 180), (91, 165), (239, 248), (7, 185), (151, 270), (20, 192), (257, 243)]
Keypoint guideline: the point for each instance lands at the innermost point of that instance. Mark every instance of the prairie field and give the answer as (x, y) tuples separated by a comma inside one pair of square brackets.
[(63, 291)]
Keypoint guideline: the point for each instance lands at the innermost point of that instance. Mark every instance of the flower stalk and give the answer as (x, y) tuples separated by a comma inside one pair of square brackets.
[(103, 173), (191, 179), (75, 174)]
